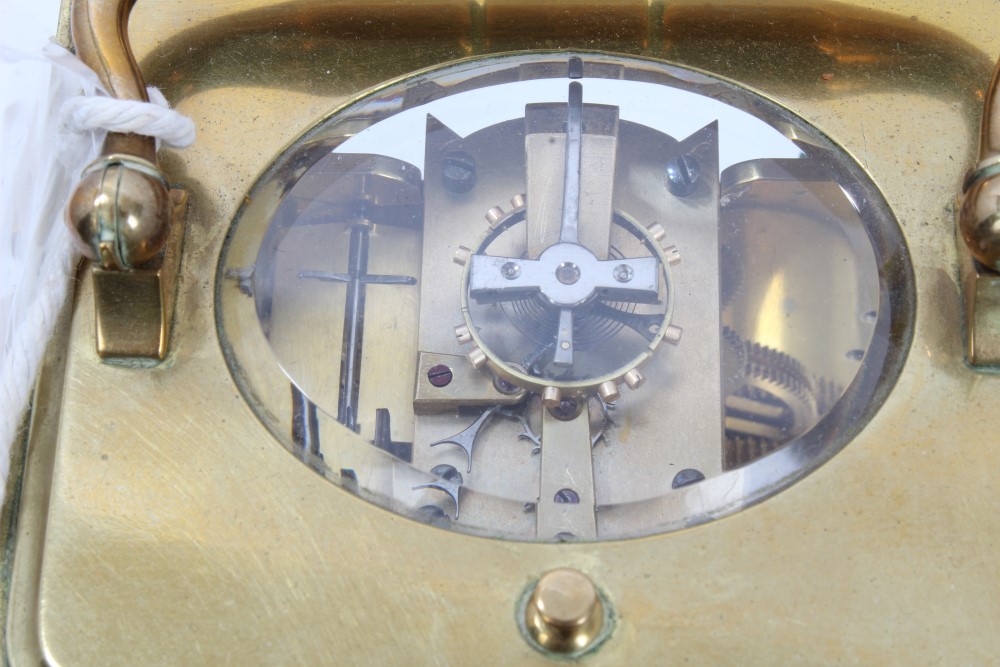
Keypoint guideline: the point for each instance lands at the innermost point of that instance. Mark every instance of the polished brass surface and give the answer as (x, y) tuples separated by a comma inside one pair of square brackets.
[(117, 212), (134, 309), (175, 531), (564, 613)]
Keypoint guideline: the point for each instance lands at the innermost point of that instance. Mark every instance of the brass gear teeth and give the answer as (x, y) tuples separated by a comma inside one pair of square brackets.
[(770, 367), (744, 449), (770, 399), (733, 340)]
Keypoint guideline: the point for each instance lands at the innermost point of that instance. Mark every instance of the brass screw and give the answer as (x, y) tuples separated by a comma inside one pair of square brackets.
[(551, 397), (494, 215), (476, 357), (657, 231), (564, 613), (608, 391), (673, 255), (634, 379), (458, 171), (567, 409), (682, 175), (462, 255), (463, 334)]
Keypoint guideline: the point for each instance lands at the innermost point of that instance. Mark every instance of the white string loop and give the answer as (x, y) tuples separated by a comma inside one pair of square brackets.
[(150, 119)]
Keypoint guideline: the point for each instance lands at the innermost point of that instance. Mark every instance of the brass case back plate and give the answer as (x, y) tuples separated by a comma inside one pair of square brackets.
[(177, 532)]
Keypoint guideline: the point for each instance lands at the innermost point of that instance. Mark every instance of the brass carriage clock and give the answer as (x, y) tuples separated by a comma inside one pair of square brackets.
[(505, 333)]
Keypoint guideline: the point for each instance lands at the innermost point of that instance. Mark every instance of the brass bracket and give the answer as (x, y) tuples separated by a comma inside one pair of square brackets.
[(465, 386), (981, 296), (134, 309)]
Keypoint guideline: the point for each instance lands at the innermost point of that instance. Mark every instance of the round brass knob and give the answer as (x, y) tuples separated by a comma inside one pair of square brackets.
[(120, 212), (980, 220), (564, 613)]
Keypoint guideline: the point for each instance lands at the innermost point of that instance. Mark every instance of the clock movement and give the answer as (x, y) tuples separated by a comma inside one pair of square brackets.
[(522, 370), (507, 333)]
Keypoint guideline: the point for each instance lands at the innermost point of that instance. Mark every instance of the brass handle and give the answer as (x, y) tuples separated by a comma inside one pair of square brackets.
[(120, 213), (980, 215)]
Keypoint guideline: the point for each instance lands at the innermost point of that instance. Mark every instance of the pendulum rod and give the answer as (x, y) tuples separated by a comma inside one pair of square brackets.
[(357, 279), (354, 329)]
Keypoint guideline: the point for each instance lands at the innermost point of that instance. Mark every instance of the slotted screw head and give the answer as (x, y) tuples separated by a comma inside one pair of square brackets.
[(440, 375), (458, 172), (682, 175)]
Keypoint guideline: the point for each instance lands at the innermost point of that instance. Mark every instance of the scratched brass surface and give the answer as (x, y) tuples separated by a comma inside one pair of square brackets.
[(176, 532)]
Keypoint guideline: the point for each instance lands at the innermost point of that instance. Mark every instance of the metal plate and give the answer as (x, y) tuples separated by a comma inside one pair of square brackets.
[(176, 533)]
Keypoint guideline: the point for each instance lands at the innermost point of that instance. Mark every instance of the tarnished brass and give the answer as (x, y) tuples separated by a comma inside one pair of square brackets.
[(160, 524), (564, 613), (134, 309)]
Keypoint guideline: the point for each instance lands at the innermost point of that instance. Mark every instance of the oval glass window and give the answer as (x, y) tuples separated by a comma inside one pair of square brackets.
[(564, 297)]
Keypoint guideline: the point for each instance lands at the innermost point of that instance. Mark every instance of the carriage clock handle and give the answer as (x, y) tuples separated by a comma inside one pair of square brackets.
[(124, 214), (980, 214), (121, 210)]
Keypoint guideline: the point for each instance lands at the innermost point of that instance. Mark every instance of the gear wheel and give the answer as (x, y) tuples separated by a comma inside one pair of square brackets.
[(769, 399), (741, 450)]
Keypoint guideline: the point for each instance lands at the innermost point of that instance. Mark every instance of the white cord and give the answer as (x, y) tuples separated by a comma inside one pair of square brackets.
[(152, 119), (21, 360), (55, 119)]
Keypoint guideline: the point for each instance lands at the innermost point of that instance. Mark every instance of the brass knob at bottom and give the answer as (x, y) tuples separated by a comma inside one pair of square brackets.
[(564, 613)]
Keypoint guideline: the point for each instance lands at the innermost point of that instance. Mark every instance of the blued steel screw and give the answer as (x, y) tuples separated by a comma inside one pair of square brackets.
[(505, 386), (567, 497), (566, 409), (447, 472), (458, 170), (440, 375), (687, 477), (682, 175)]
